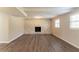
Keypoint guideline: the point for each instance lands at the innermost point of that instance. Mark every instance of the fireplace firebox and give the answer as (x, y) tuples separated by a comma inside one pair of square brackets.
[(37, 29)]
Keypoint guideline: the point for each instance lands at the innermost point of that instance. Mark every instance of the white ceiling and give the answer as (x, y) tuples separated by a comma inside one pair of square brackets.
[(44, 11), (10, 11)]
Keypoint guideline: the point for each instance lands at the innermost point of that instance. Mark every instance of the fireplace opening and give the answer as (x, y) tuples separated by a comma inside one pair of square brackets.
[(37, 29)]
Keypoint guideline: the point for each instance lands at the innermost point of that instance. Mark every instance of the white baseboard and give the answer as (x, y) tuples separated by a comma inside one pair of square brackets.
[(12, 39), (4, 42), (15, 37), (69, 42)]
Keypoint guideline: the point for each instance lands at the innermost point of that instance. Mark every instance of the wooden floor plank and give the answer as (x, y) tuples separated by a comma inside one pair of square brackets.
[(38, 43)]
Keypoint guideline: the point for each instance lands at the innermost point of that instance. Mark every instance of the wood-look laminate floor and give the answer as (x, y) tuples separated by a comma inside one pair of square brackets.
[(38, 43)]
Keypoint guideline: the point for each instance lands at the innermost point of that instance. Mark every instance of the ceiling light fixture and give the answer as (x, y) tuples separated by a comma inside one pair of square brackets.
[(38, 17)]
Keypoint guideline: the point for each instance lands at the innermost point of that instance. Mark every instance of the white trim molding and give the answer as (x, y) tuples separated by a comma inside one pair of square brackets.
[(12, 39)]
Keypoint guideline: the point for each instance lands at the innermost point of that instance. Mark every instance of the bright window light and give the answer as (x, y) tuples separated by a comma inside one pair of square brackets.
[(57, 23), (74, 21)]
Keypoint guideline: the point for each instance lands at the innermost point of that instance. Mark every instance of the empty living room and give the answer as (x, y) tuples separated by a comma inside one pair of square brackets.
[(39, 29)]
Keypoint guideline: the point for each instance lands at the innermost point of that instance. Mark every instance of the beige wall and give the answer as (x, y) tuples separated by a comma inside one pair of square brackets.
[(64, 32), (31, 23)]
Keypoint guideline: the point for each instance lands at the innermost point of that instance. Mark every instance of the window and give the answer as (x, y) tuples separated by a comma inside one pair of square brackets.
[(74, 21), (57, 23)]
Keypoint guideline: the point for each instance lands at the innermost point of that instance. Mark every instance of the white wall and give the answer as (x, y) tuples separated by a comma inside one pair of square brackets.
[(16, 27), (31, 23), (11, 27), (4, 28), (64, 32), (11, 24)]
